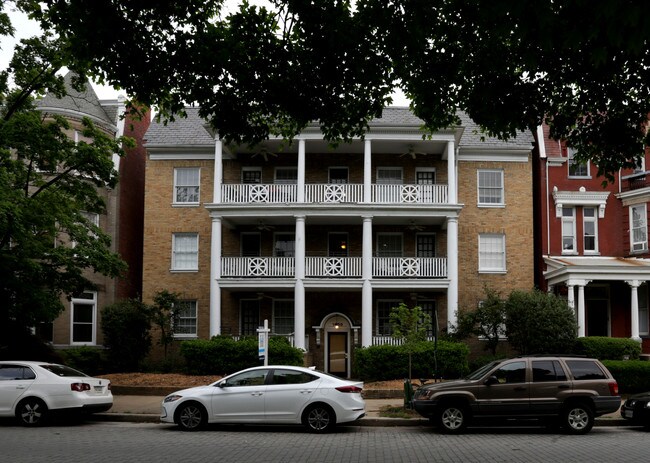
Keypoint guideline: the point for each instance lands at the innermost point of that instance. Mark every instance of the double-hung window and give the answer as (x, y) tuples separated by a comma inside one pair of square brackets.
[(590, 230), (186, 185), (638, 228), (576, 168), (490, 188), (185, 319), (491, 252), (568, 230), (382, 320), (249, 317), (185, 251), (283, 312), (84, 318)]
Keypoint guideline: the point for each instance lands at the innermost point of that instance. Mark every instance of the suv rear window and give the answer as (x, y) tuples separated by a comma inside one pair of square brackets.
[(547, 370), (585, 369)]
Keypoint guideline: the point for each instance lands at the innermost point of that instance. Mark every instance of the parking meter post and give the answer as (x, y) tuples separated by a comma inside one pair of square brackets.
[(408, 393)]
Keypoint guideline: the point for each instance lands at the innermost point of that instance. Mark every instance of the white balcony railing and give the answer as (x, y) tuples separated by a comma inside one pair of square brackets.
[(332, 193), (409, 267), (334, 267), (257, 267), (339, 267), (381, 340)]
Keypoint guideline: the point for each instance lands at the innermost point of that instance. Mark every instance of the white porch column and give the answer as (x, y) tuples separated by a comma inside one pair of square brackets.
[(581, 309), (299, 294), (367, 172), (634, 308), (301, 171), (366, 275), (452, 195), (215, 273), (218, 170), (452, 271)]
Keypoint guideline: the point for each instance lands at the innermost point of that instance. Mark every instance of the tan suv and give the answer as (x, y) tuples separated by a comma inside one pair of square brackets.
[(574, 390)]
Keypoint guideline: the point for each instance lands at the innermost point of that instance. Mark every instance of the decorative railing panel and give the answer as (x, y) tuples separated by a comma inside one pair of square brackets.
[(409, 267), (333, 267), (256, 267)]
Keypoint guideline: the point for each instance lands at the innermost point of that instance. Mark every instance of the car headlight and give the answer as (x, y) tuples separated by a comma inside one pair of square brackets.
[(647, 404), (172, 398)]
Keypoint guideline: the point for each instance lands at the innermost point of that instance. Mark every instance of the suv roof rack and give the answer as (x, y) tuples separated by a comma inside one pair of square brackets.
[(553, 355)]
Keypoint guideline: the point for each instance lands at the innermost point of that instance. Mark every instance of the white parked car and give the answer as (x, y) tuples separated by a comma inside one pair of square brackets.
[(268, 395), (31, 391)]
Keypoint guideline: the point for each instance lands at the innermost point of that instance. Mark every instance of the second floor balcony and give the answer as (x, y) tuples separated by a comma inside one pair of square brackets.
[(333, 193), (334, 267)]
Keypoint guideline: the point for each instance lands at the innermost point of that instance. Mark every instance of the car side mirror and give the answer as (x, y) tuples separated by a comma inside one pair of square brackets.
[(491, 380)]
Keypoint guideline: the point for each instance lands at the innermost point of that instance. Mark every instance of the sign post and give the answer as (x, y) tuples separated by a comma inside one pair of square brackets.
[(263, 342)]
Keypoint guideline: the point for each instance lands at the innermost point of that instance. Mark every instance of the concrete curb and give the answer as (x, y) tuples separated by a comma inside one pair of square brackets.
[(368, 421)]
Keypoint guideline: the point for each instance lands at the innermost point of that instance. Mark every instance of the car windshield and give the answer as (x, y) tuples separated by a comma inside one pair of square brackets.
[(62, 370), (484, 369)]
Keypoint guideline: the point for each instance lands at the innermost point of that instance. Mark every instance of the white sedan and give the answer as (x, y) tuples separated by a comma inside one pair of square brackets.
[(268, 395), (30, 391)]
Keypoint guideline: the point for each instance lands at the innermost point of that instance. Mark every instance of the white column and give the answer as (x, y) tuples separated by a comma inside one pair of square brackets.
[(634, 308), (301, 171), (299, 294), (215, 273), (581, 309), (452, 271), (452, 194), (366, 275), (367, 172), (218, 170)]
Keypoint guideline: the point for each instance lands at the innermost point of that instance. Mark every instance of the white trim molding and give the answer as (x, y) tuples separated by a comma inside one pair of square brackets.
[(581, 197)]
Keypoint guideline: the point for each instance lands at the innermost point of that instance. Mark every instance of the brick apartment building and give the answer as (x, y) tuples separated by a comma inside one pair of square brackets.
[(593, 240), (322, 242), (79, 324)]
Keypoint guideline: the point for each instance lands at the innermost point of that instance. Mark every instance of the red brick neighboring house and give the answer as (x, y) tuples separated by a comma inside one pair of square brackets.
[(593, 242), (79, 324)]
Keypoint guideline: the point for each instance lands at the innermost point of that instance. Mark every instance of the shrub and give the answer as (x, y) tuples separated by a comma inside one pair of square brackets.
[(604, 348), (632, 376), (89, 360), (540, 323), (380, 363), (126, 328), (223, 355)]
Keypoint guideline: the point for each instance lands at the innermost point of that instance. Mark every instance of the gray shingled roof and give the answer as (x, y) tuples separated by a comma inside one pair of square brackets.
[(190, 131), (85, 102)]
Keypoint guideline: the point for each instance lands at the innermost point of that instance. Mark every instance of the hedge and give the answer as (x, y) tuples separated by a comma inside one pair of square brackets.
[(632, 376), (604, 348), (223, 355), (385, 362)]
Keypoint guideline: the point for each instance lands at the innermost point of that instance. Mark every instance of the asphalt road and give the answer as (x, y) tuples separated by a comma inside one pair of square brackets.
[(98, 442)]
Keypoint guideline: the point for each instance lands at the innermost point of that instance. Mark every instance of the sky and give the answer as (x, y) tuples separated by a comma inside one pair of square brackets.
[(26, 28)]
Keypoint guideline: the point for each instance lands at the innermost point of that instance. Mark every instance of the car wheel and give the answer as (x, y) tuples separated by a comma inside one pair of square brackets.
[(578, 418), (31, 412), (319, 418), (453, 418), (191, 416)]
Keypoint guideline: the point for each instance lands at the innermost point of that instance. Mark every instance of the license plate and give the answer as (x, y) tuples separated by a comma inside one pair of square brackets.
[(627, 413), (99, 388)]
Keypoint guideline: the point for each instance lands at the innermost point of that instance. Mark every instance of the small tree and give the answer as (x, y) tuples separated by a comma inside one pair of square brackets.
[(410, 325), (487, 321), (163, 316), (126, 326), (540, 323)]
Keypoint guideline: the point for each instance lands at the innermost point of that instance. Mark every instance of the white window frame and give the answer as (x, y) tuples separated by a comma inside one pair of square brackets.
[(285, 181), (589, 219), (93, 218), (492, 253), (178, 264), (571, 162), (283, 325), (180, 314), (484, 192), (639, 225), (87, 298), (390, 180), (178, 186), (569, 221), (251, 169)]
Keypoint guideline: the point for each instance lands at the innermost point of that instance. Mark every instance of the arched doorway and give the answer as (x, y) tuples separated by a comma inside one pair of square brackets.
[(337, 329)]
